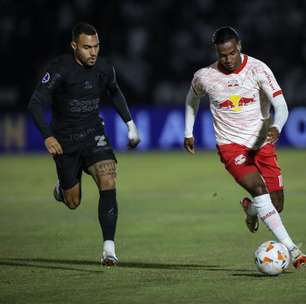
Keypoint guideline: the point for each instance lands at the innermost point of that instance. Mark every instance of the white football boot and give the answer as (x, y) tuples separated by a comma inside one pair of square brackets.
[(109, 257), (298, 258)]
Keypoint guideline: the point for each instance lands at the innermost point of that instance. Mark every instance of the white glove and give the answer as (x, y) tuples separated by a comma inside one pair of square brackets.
[(133, 135)]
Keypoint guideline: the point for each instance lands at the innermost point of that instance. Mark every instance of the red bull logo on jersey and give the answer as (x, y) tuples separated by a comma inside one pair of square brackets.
[(235, 103)]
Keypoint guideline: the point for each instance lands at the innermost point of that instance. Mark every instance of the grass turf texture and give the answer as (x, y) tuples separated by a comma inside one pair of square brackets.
[(181, 236)]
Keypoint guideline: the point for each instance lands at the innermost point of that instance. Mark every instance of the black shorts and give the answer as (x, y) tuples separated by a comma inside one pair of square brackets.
[(81, 150)]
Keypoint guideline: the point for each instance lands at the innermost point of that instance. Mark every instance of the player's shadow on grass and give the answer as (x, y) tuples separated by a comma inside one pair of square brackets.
[(258, 275), (203, 267), (144, 265), (55, 264), (43, 264)]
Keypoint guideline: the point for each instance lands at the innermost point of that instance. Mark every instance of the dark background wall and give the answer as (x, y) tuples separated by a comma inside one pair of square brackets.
[(156, 45)]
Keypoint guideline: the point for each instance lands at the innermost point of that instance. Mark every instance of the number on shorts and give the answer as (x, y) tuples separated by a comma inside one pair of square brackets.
[(101, 141)]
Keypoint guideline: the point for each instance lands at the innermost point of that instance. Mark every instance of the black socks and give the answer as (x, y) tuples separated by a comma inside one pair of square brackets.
[(108, 213)]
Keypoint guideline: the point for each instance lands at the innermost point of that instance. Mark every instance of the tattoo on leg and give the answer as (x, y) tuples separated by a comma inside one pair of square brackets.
[(105, 168)]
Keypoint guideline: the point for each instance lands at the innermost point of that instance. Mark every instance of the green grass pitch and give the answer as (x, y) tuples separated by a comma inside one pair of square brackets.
[(181, 236)]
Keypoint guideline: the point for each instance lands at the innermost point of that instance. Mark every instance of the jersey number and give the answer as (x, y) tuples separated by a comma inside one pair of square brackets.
[(101, 141)]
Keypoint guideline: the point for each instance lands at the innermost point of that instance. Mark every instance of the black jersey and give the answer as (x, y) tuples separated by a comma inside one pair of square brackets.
[(74, 92)]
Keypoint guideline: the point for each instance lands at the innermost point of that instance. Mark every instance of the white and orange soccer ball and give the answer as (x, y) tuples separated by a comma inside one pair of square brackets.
[(272, 258)]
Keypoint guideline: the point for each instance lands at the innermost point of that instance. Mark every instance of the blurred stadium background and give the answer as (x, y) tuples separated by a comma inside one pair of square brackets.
[(156, 47), (181, 234)]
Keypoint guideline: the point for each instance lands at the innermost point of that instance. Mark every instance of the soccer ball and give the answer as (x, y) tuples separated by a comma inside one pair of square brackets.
[(272, 258)]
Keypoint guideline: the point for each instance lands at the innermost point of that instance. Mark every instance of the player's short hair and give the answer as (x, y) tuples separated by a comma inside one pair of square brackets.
[(82, 28), (224, 34)]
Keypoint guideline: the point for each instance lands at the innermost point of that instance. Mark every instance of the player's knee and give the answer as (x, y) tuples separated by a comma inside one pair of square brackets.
[(73, 197), (72, 201), (258, 189), (107, 183), (254, 184), (279, 206), (104, 173), (277, 198)]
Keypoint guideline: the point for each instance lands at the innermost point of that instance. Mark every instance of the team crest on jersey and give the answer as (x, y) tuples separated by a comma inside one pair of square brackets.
[(235, 103), (46, 78), (233, 83)]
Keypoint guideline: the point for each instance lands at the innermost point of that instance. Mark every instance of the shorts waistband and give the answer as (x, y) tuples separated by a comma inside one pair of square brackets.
[(77, 136), (81, 135)]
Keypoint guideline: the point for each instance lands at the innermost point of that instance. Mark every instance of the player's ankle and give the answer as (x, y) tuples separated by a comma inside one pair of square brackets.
[(109, 247), (295, 252)]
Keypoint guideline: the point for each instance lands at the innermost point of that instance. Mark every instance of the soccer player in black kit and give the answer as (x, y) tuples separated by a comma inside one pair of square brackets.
[(73, 84)]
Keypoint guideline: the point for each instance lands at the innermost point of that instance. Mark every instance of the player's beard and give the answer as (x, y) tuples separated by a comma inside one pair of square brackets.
[(91, 61), (84, 60), (230, 67)]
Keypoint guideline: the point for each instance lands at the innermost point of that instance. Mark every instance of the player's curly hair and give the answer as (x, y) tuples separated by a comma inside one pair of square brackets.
[(224, 34), (82, 28)]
